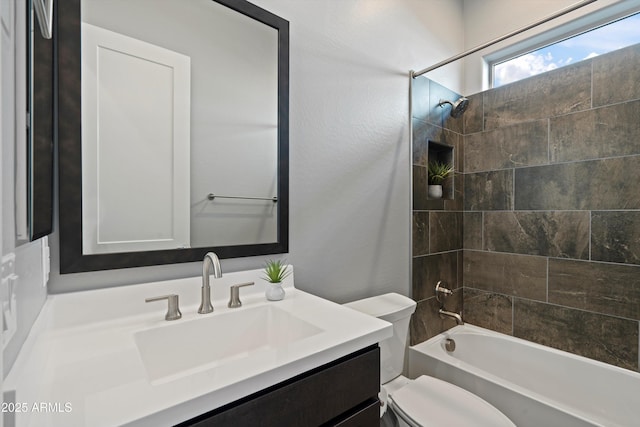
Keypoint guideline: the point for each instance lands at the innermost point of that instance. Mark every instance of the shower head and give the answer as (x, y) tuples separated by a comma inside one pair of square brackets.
[(457, 108)]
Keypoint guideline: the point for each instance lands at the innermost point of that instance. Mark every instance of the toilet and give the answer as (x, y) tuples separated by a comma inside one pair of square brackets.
[(425, 401)]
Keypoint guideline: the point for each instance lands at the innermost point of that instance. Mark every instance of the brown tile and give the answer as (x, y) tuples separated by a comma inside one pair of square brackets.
[(563, 234), (456, 203), (460, 271), (554, 93), (436, 204), (608, 339), (593, 286), (624, 64), (453, 302), (429, 269), (473, 118), (485, 191), (445, 231), (518, 275), (488, 310), (589, 185), (426, 323), (419, 177), (522, 144), (420, 233), (472, 230), (615, 236), (424, 132), (604, 132)]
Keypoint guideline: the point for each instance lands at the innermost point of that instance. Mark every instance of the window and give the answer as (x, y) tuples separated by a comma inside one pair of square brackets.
[(613, 36)]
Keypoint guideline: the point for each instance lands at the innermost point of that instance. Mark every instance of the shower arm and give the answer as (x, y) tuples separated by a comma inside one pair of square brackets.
[(561, 12)]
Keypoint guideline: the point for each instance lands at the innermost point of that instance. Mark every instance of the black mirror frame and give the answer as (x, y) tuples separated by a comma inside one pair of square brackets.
[(68, 66), (40, 132)]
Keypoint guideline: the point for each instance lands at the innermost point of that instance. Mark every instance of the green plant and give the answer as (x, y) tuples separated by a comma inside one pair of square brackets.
[(275, 271), (438, 172)]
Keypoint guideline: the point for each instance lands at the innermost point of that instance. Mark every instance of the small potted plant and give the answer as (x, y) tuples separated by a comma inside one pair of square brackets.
[(274, 273), (437, 172)]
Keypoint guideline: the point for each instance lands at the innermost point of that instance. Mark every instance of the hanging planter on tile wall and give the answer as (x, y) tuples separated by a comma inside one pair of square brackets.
[(437, 172)]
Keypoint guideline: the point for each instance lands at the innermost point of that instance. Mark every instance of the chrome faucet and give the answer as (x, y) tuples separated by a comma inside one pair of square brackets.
[(211, 261), (456, 316)]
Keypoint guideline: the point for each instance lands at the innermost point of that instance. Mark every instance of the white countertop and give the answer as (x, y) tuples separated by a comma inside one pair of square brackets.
[(80, 365)]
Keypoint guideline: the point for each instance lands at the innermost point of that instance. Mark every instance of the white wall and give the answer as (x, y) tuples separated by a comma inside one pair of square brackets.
[(350, 200), (487, 20), (4, 16), (350, 150), (29, 286)]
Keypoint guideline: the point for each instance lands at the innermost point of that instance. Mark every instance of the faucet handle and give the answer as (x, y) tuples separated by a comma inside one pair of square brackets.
[(440, 288), (234, 299), (173, 310)]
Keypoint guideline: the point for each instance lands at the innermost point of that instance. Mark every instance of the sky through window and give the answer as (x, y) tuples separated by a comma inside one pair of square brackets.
[(616, 35)]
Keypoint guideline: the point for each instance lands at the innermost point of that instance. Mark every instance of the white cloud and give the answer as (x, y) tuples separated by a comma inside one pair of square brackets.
[(522, 67), (588, 45)]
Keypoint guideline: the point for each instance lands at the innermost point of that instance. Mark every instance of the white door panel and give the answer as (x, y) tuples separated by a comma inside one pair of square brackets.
[(136, 117)]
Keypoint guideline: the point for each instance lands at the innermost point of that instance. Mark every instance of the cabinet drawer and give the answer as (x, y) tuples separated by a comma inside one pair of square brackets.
[(310, 399), (368, 416)]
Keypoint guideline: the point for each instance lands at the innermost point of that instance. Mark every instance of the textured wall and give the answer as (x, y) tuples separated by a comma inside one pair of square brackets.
[(30, 291), (551, 208)]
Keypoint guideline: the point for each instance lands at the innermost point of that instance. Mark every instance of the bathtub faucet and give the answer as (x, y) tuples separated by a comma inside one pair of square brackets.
[(444, 313)]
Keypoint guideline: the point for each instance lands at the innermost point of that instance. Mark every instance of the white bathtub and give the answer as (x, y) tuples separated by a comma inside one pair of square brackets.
[(532, 384)]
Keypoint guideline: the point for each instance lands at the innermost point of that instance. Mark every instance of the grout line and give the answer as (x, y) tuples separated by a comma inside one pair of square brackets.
[(513, 191), (590, 235), (513, 315), (549, 141), (482, 231), (547, 295), (570, 162), (429, 232), (537, 301), (591, 94), (620, 264)]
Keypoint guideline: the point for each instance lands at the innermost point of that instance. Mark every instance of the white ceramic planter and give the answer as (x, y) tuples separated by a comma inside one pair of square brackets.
[(434, 191), (274, 291)]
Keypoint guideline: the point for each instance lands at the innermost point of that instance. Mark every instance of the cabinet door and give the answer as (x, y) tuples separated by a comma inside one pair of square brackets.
[(328, 395)]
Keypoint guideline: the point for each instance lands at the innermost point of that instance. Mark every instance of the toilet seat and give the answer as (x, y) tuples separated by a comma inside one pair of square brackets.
[(428, 401)]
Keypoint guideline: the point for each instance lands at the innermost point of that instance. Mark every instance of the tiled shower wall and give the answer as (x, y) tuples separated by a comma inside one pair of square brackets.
[(550, 215), (437, 224)]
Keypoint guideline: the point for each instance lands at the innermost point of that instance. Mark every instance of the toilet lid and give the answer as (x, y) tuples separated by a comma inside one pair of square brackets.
[(428, 401)]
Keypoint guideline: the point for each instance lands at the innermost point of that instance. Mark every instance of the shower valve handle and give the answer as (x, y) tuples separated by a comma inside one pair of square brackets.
[(440, 289)]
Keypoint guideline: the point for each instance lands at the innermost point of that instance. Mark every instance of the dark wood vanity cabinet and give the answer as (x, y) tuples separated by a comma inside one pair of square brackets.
[(341, 393)]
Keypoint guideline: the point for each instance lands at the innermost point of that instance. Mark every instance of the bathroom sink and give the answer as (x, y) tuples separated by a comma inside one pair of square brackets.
[(190, 346)]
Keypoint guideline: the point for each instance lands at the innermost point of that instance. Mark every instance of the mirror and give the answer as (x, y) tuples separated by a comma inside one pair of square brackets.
[(44, 12), (33, 167), (40, 136), (172, 130)]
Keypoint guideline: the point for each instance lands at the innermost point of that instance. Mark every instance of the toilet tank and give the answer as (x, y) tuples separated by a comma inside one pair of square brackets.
[(396, 309)]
